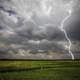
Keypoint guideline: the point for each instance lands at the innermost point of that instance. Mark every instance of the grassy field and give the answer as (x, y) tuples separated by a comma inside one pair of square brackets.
[(40, 70)]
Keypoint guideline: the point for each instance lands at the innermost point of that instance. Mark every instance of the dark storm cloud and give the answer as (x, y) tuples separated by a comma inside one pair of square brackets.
[(45, 32), (27, 24), (28, 29), (74, 30), (32, 30), (72, 25)]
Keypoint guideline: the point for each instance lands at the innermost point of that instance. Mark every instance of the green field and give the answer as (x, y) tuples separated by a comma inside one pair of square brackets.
[(40, 70)]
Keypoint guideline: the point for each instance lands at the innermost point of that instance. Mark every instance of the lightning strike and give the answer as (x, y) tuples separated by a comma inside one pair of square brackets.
[(48, 11), (63, 30)]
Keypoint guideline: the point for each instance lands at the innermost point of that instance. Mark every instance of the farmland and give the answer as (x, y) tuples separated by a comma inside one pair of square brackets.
[(40, 70)]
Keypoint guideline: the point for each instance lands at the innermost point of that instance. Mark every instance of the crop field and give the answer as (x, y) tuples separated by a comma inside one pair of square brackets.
[(39, 70)]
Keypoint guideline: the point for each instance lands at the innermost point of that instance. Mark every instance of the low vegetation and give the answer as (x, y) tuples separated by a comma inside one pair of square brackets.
[(40, 70)]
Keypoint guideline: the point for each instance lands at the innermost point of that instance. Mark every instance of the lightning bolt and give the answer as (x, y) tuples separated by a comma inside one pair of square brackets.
[(63, 30), (62, 26)]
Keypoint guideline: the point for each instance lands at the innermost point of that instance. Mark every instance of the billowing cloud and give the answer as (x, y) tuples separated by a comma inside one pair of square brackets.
[(35, 24)]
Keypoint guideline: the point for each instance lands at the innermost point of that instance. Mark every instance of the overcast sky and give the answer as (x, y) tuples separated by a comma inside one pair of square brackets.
[(28, 23)]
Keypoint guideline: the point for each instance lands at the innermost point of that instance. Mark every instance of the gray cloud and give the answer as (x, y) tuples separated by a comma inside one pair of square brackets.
[(31, 25)]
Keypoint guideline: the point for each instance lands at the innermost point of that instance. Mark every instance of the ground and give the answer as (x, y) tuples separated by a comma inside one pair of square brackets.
[(40, 70)]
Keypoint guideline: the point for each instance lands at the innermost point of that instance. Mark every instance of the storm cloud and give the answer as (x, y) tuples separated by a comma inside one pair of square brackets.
[(31, 25)]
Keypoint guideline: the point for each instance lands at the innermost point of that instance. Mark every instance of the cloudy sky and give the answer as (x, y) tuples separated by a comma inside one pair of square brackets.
[(35, 25)]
